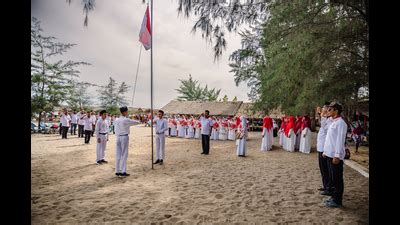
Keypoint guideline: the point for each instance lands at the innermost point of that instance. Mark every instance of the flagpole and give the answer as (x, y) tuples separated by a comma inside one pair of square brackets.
[(151, 82)]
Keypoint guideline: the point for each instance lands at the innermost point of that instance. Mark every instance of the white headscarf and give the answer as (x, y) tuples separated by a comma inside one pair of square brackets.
[(243, 121)]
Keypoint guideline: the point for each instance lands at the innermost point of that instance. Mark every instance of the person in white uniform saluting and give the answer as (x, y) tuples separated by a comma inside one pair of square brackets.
[(326, 120), (65, 123), (122, 130), (334, 150), (160, 128), (101, 131)]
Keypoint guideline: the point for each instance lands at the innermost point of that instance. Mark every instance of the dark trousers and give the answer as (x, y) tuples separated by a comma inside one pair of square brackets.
[(64, 132), (60, 126), (73, 128), (88, 133), (80, 130), (323, 167), (336, 177), (93, 126), (205, 143)]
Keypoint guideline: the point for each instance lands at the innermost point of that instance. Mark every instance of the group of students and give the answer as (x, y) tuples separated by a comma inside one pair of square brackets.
[(190, 127), (85, 121), (295, 134), (330, 141)]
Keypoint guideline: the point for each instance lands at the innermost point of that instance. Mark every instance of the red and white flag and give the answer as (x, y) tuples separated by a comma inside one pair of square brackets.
[(145, 31)]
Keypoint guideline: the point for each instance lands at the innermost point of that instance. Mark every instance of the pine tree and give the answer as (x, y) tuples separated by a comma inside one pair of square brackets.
[(51, 80), (112, 96)]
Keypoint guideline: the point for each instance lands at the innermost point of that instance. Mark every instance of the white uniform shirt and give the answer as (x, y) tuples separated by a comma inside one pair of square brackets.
[(81, 121), (335, 139), (65, 120), (161, 125), (88, 123), (206, 125), (93, 117), (101, 127), (325, 123), (122, 125), (108, 119), (74, 118)]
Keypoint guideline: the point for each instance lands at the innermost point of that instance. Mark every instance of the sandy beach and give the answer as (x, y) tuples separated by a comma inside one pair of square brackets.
[(67, 187)]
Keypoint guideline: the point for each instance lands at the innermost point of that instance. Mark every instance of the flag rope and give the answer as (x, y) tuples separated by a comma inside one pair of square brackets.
[(137, 72)]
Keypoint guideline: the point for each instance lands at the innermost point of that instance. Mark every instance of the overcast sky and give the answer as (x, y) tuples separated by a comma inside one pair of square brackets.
[(110, 43)]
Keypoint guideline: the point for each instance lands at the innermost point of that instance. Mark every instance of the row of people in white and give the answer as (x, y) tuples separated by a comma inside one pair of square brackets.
[(295, 135), (222, 129)]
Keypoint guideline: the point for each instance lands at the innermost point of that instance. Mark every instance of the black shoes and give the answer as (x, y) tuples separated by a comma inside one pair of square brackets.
[(202, 153), (326, 193), (332, 204), (103, 161), (122, 174), (158, 162), (99, 162)]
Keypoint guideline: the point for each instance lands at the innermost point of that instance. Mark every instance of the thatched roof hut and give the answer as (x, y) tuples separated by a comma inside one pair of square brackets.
[(198, 107), (247, 108)]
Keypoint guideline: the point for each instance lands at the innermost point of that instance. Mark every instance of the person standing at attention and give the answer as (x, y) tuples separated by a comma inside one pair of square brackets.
[(94, 119), (206, 125), (160, 128), (74, 122), (81, 124), (267, 138), (241, 148), (101, 130), (305, 137), (88, 127)]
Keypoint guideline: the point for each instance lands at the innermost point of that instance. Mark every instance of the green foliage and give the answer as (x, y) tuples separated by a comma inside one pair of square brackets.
[(78, 96), (225, 98), (313, 53), (51, 80), (190, 90), (112, 95)]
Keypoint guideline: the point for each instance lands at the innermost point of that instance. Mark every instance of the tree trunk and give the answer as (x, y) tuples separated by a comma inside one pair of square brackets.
[(40, 118), (313, 123)]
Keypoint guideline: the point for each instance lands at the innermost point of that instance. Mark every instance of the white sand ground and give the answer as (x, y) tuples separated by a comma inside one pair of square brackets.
[(67, 187)]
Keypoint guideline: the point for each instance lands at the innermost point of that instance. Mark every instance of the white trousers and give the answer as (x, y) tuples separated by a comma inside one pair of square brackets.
[(160, 146), (121, 154), (101, 147)]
